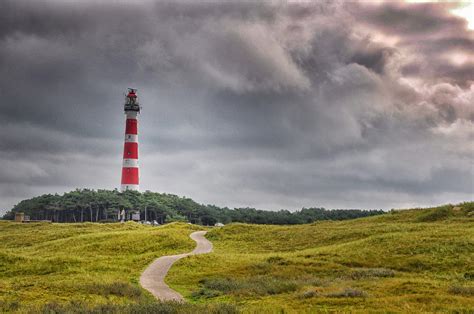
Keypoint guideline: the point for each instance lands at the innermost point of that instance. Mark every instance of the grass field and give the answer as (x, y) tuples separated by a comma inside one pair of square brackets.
[(405, 261), (86, 263)]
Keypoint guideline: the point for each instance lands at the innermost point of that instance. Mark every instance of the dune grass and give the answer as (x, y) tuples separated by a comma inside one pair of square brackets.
[(415, 261), (405, 261), (94, 264)]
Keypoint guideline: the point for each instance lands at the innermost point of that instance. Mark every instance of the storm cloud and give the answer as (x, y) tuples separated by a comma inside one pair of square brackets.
[(267, 105)]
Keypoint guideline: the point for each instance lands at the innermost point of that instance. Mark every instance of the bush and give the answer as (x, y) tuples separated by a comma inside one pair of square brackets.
[(145, 308), (205, 293), (348, 293), (462, 290), (275, 286), (469, 276), (372, 272), (436, 214), (9, 215), (251, 286), (7, 306), (309, 294), (118, 288), (277, 260)]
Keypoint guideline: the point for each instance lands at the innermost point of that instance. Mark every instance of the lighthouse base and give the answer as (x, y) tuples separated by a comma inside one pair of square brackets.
[(131, 187)]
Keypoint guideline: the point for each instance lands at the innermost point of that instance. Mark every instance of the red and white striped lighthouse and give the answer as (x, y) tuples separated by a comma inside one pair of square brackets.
[(130, 177)]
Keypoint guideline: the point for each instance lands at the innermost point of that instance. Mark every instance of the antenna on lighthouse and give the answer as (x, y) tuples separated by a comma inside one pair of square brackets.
[(130, 173)]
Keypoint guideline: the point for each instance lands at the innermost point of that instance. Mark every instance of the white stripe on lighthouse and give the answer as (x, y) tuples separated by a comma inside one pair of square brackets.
[(131, 138), (131, 114), (130, 163), (132, 187)]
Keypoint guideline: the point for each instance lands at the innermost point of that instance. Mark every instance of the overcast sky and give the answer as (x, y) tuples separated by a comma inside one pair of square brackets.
[(270, 105)]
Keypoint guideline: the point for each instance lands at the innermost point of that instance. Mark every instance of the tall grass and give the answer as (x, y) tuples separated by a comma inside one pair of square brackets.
[(61, 263), (143, 308), (256, 286), (406, 261)]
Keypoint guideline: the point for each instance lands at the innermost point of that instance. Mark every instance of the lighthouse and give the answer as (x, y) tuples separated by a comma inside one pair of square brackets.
[(130, 176)]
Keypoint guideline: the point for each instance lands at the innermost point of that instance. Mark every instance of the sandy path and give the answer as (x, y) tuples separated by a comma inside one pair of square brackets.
[(153, 278)]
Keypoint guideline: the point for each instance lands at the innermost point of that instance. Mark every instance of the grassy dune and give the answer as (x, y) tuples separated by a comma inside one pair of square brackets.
[(86, 263), (406, 261)]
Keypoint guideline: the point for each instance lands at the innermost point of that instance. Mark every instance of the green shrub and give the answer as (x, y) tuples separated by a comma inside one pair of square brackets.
[(462, 290), (309, 294), (222, 284), (249, 286), (278, 260), (275, 286), (141, 308), (371, 272), (467, 206), (416, 264), (205, 293), (9, 306), (469, 276), (436, 214), (117, 288), (348, 293)]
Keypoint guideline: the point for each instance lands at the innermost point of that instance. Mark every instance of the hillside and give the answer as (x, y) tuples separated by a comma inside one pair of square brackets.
[(405, 261), (43, 264)]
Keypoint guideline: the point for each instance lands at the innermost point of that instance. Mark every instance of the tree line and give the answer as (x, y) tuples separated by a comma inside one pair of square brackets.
[(84, 205)]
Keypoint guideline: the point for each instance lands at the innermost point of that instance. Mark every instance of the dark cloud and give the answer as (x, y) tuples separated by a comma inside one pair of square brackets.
[(266, 105), (419, 19), (440, 47)]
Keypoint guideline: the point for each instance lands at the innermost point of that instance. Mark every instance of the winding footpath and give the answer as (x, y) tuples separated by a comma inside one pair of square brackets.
[(153, 278)]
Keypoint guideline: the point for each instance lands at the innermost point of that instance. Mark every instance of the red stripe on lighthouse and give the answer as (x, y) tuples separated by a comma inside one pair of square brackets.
[(130, 176), (130, 150), (131, 126)]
